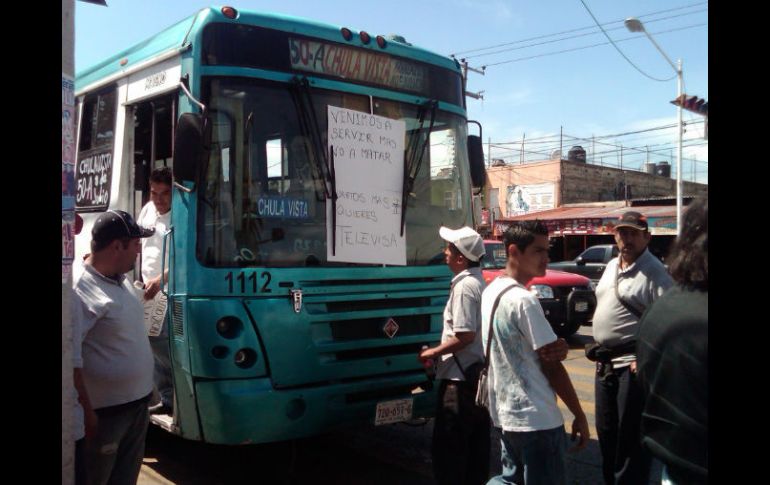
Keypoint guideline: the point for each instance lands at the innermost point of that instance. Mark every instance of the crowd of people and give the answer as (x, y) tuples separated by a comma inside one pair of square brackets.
[(651, 352), (650, 329)]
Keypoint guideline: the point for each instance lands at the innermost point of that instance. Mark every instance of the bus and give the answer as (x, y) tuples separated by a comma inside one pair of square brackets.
[(312, 168)]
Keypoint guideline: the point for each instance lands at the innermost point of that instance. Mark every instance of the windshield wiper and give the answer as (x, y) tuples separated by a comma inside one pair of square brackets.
[(253, 224), (414, 154), (303, 101), (308, 123)]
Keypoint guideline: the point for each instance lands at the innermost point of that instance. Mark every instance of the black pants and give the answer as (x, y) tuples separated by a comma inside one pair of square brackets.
[(80, 462), (619, 406), (460, 436)]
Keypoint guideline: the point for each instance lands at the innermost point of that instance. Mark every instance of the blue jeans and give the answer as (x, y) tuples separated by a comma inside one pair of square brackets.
[(114, 455), (533, 458)]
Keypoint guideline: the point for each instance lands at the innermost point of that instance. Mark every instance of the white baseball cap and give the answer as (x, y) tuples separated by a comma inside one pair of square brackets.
[(467, 240)]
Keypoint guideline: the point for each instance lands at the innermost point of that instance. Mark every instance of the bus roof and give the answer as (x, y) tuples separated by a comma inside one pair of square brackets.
[(178, 36)]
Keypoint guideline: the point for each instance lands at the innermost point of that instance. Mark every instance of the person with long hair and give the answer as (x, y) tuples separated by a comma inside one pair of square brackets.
[(672, 353)]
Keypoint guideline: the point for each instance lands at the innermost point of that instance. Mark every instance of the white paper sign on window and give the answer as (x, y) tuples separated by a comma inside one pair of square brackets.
[(368, 155)]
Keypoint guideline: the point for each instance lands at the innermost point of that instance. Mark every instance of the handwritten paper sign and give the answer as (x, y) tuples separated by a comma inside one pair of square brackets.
[(368, 153), (94, 176)]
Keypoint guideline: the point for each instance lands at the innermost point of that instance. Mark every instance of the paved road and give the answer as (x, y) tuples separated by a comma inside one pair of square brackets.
[(395, 454)]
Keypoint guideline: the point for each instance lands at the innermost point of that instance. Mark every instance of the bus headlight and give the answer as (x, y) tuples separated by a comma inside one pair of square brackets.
[(229, 327), (541, 291), (245, 358)]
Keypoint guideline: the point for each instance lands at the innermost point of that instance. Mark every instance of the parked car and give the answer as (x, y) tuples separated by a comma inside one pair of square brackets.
[(568, 300), (590, 263)]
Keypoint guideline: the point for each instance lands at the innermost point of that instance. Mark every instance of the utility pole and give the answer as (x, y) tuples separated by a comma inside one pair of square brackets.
[(465, 68), (489, 152), (593, 149), (561, 142), (521, 156)]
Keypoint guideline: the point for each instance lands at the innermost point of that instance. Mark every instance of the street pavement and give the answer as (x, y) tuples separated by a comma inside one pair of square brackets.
[(392, 454)]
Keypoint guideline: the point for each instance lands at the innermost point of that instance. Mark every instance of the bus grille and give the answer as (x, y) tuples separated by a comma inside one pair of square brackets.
[(356, 354), (368, 328)]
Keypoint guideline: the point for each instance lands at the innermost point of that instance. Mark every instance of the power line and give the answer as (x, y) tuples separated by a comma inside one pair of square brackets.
[(587, 46), (618, 48), (561, 39), (574, 30), (599, 137)]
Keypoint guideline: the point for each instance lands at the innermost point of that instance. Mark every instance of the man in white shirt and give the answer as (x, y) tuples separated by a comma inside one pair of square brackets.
[(157, 214), (522, 384)]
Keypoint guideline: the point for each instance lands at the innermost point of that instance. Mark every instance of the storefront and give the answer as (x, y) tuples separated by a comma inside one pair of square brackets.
[(573, 229)]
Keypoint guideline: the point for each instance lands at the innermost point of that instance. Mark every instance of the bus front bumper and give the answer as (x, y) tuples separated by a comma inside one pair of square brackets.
[(249, 411)]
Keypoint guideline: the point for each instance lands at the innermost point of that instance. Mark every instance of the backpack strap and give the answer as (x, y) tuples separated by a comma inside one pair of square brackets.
[(491, 321)]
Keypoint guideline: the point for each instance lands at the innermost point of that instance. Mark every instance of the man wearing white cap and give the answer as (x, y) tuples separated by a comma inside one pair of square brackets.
[(461, 430)]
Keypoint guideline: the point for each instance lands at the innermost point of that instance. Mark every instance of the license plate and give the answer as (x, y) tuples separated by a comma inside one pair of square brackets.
[(581, 306), (393, 411)]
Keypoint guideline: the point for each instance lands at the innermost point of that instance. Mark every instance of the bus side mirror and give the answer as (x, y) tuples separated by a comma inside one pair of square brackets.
[(191, 147), (476, 159)]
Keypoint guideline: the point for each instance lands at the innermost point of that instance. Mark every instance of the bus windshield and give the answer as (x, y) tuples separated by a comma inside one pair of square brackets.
[(263, 198)]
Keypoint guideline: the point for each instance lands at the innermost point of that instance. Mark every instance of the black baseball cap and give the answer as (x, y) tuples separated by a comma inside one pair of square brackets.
[(632, 219), (117, 224)]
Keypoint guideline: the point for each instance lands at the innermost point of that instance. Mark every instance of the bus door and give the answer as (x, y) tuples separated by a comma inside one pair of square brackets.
[(153, 134)]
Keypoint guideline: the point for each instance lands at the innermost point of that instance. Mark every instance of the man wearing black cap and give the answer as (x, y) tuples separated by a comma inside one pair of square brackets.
[(628, 286), (114, 375)]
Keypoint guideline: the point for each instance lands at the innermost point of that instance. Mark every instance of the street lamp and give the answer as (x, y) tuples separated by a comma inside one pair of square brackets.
[(635, 25)]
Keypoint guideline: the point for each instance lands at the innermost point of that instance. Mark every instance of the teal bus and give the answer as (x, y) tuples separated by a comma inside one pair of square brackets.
[(313, 166)]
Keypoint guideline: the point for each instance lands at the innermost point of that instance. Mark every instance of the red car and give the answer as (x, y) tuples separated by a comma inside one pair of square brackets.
[(568, 299)]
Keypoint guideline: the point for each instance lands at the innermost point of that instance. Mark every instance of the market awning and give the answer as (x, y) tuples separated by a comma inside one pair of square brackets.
[(584, 220)]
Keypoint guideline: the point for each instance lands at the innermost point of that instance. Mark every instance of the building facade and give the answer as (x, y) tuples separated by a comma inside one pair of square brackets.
[(579, 202), (514, 190)]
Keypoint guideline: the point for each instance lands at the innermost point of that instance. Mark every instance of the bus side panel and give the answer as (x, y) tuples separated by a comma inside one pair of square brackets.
[(186, 417), (186, 412)]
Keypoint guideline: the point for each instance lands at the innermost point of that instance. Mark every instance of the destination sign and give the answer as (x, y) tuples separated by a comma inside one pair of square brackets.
[(356, 64)]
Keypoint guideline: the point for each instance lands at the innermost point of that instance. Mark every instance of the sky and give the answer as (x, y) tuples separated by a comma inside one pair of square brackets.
[(551, 76)]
